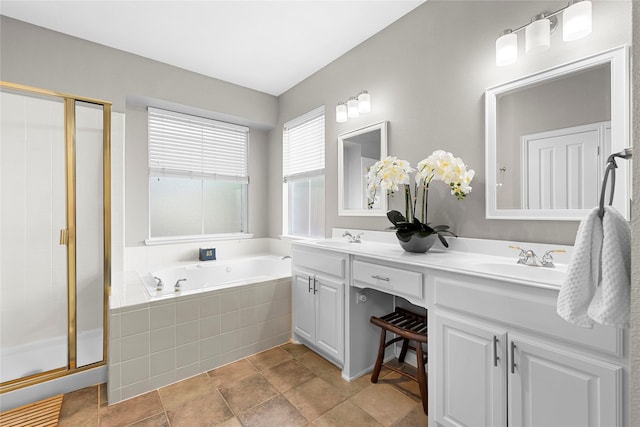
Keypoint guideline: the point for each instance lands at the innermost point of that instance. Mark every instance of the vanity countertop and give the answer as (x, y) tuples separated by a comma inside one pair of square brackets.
[(466, 256)]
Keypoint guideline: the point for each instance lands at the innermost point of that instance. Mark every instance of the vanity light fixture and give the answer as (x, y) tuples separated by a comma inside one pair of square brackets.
[(355, 106), (576, 24)]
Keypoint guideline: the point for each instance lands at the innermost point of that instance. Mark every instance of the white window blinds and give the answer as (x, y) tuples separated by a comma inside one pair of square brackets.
[(184, 145), (303, 145)]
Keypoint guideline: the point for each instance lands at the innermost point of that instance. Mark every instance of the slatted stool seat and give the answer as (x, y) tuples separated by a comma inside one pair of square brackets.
[(408, 326)]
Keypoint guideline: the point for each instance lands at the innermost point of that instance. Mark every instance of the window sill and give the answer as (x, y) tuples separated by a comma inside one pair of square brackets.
[(190, 239)]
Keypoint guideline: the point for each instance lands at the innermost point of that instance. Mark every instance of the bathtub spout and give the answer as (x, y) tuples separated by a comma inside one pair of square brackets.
[(286, 257), (178, 285)]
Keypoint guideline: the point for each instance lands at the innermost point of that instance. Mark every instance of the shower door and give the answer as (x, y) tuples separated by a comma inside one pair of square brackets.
[(54, 234)]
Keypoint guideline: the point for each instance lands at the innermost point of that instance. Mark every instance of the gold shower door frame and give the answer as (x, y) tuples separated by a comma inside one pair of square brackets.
[(68, 236)]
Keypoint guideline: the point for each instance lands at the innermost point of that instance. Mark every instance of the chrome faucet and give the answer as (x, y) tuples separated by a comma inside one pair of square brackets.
[(178, 285), (352, 238), (159, 284), (286, 257), (528, 257)]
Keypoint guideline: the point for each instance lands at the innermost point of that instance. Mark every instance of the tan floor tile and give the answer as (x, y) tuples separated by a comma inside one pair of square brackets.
[(184, 391), (349, 388), (386, 404), (287, 375), (315, 397), (403, 384), (416, 417), (247, 393), (318, 364), (346, 414), (79, 400), (83, 417), (275, 412), (131, 411), (269, 358), (231, 422), (232, 372), (203, 410), (159, 420), (294, 349)]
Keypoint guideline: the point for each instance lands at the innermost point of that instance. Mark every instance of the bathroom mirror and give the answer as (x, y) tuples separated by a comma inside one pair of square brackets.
[(548, 137), (358, 150)]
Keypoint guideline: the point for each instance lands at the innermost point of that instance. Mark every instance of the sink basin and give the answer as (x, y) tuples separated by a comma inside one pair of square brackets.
[(523, 272), (335, 243)]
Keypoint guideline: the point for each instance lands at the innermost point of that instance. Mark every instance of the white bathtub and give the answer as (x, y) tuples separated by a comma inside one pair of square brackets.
[(219, 274)]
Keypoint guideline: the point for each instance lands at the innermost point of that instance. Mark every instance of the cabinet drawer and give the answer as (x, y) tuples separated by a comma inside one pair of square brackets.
[(322, 262), (388, 279)]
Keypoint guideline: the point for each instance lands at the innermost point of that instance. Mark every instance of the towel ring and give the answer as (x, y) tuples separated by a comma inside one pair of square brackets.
[(611, 168)]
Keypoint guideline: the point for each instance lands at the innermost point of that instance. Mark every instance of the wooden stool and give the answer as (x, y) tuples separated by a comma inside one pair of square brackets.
[(408, 326)]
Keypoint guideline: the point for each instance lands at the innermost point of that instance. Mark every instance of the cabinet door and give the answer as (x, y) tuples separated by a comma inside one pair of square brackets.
[(470, 373), (555, 387), (303, 305), (330, 317)]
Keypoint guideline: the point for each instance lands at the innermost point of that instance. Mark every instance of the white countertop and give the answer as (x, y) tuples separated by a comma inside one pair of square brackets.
[(491, 259)]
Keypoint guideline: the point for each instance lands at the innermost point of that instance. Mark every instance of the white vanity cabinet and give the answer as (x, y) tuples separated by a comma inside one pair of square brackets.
[(504, 358), (318, 286)]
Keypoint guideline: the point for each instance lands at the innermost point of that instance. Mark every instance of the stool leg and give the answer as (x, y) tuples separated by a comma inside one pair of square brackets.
[(422, 376), (378, 366), (403, 352)]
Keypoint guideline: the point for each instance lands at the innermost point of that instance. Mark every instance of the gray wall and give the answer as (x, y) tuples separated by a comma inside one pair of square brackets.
[(634, 403), (38, 57), (426, 75)]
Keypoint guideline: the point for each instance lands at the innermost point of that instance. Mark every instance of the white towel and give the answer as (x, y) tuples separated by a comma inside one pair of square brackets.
[(583, 273), (597, 286), (610, 304)]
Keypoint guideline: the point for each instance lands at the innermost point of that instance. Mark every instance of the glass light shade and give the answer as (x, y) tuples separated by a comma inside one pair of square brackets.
[(506, 48), (364, 102), (341, 112), (576, 21), (352, 107), (538, 36)]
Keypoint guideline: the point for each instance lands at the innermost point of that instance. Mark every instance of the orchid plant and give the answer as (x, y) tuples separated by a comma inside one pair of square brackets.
[(388, 175)]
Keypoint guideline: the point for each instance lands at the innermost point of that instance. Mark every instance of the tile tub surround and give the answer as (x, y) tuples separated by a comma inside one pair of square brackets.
[(156, 343)]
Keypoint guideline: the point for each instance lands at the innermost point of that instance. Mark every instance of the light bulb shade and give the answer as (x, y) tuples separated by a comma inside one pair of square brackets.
[(538, 36), (506, 48), (576, 21), (364, 102), (352, 107), (341, 112)]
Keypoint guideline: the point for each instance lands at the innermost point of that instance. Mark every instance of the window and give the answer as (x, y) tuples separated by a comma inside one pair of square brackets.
[(197, 176), (303, 172)]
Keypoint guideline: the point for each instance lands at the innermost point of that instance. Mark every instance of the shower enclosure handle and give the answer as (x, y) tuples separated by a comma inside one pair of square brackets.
[(64, 236)]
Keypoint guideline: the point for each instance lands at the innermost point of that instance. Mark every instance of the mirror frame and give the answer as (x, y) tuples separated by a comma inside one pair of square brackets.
[(382, 211), (620, 135)]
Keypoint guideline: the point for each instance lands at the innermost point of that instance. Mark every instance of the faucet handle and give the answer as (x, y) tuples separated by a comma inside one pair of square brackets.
[(547, 258), (178, 285), (159, 284)]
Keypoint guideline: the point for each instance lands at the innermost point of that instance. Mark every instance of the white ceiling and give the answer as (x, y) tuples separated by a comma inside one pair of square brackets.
[(266, 45)]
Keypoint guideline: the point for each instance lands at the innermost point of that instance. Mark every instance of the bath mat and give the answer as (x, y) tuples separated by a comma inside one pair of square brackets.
[(43, 413)]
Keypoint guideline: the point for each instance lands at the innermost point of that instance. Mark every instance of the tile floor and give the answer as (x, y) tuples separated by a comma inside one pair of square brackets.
[(288, 385)]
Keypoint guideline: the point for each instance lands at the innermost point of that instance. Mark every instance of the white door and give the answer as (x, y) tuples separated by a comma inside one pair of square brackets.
[(329, 317), (303, 305), (561, 168), (470, 373), (553, 387)]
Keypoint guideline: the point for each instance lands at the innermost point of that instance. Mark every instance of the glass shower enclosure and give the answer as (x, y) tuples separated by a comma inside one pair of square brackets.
[(54, 234)]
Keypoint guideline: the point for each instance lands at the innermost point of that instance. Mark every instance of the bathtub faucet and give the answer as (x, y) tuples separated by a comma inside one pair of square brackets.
[(159, 284), (178, 286), (286, 257)]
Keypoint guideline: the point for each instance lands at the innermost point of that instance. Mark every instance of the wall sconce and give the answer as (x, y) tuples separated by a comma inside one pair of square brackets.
[(576, 24), (355, 106)]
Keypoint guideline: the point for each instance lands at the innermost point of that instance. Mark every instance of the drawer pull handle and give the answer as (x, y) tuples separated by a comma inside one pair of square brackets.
[(309, 282), (375, 276), (513, 356), (495, 351), (315, 290)]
